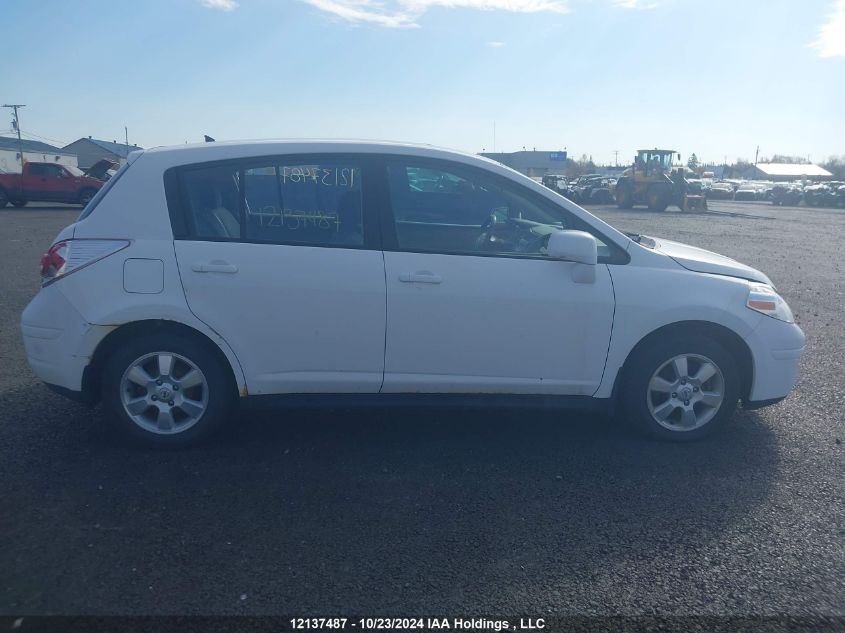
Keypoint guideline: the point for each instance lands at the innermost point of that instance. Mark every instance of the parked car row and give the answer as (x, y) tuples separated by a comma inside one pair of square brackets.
[(598, 189), (587, 189), (827, 194)]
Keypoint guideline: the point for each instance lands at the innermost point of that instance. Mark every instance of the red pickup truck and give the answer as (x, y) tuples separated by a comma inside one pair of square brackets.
[(50, 182)]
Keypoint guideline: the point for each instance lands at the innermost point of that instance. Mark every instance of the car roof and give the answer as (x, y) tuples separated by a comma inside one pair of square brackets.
[(222, 150)]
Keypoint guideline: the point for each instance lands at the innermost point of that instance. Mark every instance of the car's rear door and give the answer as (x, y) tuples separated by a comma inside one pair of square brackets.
[(282, 258)]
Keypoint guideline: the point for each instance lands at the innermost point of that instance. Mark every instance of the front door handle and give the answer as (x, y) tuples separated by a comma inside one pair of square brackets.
[(420, 277), (216, 266)]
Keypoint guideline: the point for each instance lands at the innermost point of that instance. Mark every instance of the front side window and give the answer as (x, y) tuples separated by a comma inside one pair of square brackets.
[(453, 210), (310, 203)]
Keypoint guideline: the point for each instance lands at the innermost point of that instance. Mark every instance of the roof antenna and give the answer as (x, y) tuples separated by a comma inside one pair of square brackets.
[(208, 139)]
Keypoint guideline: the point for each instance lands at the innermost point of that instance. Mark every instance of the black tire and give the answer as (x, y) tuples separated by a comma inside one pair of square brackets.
[(657, 199), (624, 197), (640, 369), (18, 203), (218, 385), (85, 196), (4, 198)]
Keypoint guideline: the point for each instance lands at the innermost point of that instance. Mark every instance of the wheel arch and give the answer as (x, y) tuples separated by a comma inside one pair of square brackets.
[(729, 339), (93, 374)]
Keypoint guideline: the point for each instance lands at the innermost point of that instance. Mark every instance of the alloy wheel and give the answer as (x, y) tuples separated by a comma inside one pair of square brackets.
[(685, 392), (164, 393)]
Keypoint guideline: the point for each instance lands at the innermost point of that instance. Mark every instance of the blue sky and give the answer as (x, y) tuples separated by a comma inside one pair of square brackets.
[(716, 78)]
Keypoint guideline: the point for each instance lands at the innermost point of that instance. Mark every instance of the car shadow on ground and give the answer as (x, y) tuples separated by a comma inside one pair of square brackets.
[(389, 509)]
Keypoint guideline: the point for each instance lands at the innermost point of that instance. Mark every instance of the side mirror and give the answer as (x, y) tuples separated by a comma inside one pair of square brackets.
[(574, 246), (579, 247)]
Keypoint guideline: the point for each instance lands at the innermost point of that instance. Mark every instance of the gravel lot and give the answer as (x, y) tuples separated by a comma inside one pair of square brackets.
[(411, 512)]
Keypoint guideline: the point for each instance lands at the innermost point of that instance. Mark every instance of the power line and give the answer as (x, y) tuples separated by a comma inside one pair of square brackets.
[(44, 138)]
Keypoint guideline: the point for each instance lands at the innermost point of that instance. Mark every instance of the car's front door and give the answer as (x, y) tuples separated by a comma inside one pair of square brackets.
[(473, 303), (279, 259)]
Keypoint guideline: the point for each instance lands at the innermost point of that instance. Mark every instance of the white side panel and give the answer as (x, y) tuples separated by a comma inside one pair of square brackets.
[(647, 298), (495, 324), (301, 319), (97, 292)]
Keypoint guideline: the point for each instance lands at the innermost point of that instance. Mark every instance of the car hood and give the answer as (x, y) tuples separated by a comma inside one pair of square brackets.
[(702, 261), (98, 170)]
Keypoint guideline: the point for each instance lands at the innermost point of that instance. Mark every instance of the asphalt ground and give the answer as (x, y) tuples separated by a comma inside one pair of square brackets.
[(440, 512)]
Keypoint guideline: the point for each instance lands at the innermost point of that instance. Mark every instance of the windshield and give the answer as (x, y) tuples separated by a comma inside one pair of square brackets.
[(653, 158)]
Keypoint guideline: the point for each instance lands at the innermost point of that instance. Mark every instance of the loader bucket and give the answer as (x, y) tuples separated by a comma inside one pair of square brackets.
[(694, 203)]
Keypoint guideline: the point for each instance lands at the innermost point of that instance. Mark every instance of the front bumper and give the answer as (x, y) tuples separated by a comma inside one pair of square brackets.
[(776, 349), (59, 343)]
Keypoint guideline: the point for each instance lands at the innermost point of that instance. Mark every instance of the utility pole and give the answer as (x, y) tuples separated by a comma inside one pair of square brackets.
[(17, 123), (616, 154), (126, 131), (756, 155)]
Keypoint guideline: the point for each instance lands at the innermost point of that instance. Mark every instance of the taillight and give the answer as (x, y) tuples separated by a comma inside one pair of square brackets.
[(69, 256)]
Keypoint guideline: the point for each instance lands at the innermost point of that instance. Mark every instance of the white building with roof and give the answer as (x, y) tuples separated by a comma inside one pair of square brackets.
[(33, 151), (788, 171)]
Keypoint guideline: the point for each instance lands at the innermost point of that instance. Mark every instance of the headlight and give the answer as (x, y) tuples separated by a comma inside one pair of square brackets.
[(763, 298)]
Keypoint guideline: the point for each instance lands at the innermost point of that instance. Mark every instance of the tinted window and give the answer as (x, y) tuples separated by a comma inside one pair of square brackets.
[(213, 200), (313, 203), (36, 169), (452, 210)]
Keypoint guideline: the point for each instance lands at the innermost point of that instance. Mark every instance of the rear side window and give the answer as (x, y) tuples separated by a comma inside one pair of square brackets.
[(213, 197), (315, 203)]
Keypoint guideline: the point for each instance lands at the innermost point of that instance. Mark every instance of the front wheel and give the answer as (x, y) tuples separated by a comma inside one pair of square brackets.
[(18, 203), (681, 388), (167, 390), (657, 199)]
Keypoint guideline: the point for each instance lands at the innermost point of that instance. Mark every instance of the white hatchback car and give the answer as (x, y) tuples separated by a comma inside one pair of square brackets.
[(204, 275)]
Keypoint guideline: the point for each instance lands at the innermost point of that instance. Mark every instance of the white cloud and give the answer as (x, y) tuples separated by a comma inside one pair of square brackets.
[(495, 44), (634, 4), (405, 13), (831, 39), (222, 5)]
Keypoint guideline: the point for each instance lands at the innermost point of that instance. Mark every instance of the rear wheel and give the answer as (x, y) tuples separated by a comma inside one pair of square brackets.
[(167, 390), (682, 388), (4, 199)]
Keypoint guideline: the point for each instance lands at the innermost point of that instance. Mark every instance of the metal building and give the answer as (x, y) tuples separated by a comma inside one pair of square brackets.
[(90, 150)]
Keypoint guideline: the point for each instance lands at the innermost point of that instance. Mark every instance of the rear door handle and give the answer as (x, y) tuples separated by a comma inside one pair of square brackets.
[(420, 277), (215, 266)]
